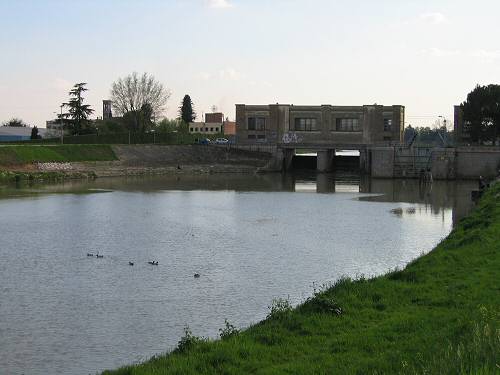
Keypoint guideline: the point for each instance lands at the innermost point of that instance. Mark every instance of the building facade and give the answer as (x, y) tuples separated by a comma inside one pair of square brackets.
[(213, 124), (205, 127), (323, 124)]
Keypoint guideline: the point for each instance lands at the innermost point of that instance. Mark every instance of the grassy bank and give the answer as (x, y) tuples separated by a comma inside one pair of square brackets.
[(25, 154), (440, 315)]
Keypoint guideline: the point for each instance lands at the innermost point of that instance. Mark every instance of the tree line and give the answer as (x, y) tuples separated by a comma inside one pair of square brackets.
[(138, 100)]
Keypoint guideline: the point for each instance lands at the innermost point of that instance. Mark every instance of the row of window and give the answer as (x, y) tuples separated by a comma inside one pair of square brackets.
[(196, 130), (305, 124), (256, 136), (348, 125), (256, 123), (311, 124)]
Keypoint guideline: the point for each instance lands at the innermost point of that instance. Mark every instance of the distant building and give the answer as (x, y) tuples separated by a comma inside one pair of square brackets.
[(460, 131), (230, 128), (14, 133), (107, 112), (213, 124), (216, 117), (53, 129), (205, 127), (321, 124)]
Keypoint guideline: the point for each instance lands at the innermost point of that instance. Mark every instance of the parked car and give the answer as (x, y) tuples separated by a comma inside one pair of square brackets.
[(221, 141), (204, 141)]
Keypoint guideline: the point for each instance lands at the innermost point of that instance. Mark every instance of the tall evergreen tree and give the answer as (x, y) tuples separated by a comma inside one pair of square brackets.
[(78, 112), (186, 110), (34, 133)]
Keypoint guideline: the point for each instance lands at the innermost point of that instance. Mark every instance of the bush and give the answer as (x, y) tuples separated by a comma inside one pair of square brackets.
[(228, 331), (187, 341), (279, 307)]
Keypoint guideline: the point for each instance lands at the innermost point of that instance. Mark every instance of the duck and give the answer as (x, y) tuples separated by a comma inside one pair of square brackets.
[(153, 263), (196, 275), (130, 263), (90, 254), (99, 256)]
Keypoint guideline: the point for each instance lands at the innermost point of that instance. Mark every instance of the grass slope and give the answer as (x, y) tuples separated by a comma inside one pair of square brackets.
[(440, 315), (18, 155)]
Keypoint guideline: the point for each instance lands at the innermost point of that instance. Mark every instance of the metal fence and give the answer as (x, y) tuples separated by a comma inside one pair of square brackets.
[(119, 138)]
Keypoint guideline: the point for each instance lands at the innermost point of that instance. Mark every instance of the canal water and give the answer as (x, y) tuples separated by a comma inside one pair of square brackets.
[(251, 238)]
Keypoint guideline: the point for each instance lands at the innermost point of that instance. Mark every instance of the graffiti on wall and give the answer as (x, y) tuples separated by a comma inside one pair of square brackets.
[(290, 137)]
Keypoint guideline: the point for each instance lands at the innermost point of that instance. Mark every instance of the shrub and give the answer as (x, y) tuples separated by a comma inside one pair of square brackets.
[(279, 307), (228, 331)]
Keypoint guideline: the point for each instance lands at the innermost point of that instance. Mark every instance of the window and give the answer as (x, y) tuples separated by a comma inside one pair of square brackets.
[(195, 129), (217, 129), (348, 125), (305, 124), (387, 124), (251, 136), (191, 129), (211, 129), (261, 136), (387, 138), (256, 123), (206, 129)]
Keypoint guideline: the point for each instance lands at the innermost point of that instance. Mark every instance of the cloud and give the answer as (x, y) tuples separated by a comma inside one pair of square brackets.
[(434, 18), (220, 4)]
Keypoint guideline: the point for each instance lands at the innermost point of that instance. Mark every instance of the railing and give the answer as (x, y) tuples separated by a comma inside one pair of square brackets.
[(119, 138)]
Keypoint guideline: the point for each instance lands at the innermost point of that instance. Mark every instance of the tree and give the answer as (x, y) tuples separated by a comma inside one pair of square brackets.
[(143, 97), (186, 111), (167, 126), (482, 113), (78, 112), (15, 122), (34, 133)]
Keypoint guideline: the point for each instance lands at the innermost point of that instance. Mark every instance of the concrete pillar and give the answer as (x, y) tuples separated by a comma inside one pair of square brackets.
[(364, 161), (324, 161), (288, 154), (325, 183)]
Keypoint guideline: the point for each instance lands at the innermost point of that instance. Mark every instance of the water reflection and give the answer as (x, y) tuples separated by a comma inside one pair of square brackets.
[(436, 196)]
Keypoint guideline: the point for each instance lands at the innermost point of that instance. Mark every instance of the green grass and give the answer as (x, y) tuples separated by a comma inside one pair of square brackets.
[(440, 315), (18, 155)]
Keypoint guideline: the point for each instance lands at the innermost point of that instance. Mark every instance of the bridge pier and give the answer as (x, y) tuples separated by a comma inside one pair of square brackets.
[(364, 161), (288, 154), (324, 161)]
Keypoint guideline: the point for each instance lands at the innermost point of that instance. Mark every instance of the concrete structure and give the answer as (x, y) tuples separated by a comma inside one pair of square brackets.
[(323, 128), (107, 111), (444, 163), (319, 125)]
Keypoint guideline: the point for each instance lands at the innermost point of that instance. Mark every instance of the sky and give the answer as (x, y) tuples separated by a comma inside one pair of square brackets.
[(425, 55)]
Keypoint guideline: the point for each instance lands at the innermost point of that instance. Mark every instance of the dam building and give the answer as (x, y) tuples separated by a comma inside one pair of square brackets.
[(323, 129)]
